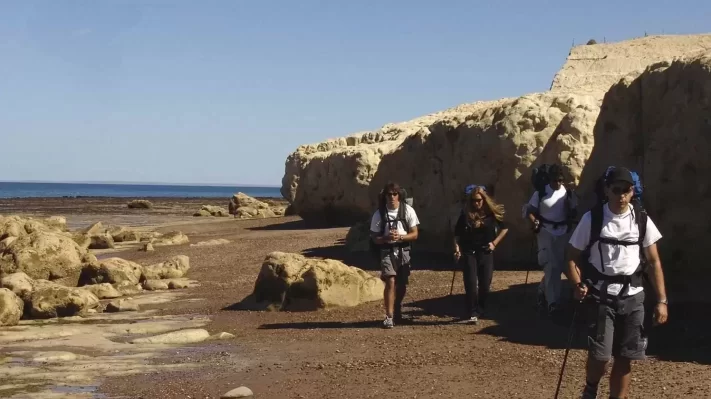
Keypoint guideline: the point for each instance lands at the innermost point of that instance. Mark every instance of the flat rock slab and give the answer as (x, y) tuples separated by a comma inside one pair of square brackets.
[(122, 305), (241, 392), (187, 336), (220, 336)]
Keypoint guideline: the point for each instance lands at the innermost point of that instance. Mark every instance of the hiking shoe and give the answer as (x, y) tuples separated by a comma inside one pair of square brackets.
[(473, 320), (388, 322)]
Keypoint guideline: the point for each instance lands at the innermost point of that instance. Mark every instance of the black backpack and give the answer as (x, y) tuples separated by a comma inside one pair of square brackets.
[(540, 178), (589, 272)]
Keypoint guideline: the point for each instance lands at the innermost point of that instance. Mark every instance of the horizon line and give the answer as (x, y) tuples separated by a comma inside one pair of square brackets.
[(118, 182)]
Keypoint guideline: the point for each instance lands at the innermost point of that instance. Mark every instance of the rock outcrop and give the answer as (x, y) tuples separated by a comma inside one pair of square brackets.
[(243, 206), (494, 143), (290, 281), (594, 69), (175, 267), (211, 210), (169, 238), (50, 300), (45, 255), (488, 143), (112, 271), (659, 124), (140, 204)]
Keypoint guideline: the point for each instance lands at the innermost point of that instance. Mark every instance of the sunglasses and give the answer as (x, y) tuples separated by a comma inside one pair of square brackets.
[(393, 194), (617, 190)]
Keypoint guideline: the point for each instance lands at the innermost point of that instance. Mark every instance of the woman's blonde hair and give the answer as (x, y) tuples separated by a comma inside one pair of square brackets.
[(490, 208)]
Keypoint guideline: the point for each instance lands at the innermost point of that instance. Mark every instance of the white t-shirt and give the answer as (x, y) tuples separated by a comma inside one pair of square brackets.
[(552, 207), (618, 259), (410, 219)]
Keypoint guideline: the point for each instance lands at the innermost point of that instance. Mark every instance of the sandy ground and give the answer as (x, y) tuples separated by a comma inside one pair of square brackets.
[(343, 353)]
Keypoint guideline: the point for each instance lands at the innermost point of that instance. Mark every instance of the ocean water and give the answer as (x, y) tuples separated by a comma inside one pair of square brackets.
[(30, 190)]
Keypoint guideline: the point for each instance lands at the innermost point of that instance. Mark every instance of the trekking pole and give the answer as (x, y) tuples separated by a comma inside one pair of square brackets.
[(451, 288), (528, 270), (567, 349)]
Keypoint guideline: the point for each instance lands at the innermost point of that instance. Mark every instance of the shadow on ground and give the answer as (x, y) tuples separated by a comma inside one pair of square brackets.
[(298, 224), (421, 260)]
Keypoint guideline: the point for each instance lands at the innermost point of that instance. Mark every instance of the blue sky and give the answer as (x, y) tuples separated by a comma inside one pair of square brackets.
[(222, 91)]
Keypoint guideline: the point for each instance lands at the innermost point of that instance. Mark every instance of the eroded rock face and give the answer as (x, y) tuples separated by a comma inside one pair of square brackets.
[(659, 124), (291, 281), (594, 69), (493, 143)]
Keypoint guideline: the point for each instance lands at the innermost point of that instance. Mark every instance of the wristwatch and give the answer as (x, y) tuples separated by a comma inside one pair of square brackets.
[(664, 301)]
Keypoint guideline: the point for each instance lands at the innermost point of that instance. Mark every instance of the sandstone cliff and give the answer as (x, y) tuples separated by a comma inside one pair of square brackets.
[(595, 68), (660, 124), (493, 142)]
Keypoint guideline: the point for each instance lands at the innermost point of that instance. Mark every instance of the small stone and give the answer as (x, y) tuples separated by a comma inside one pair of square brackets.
[(178, 284), (241, 392), (155, 285), (222, 335), (122, 305)]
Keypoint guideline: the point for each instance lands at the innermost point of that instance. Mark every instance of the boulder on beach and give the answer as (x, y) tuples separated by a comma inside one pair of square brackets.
[(140, 204), (45, 255), (49, 300), (170, 238), (123, 234), (103, 290), (101, 241), (112, 270), (243, 206), (211, 210), (19, 283), (289, 281), (175, 267), (11, 308), (358, 237), (122, 305)]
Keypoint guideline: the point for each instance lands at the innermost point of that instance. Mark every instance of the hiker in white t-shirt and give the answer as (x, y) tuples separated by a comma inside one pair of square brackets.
[(551, 215), (606, 267), (393, 236)]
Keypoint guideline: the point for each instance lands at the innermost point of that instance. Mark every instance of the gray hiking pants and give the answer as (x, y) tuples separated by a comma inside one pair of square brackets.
[(551, 257)]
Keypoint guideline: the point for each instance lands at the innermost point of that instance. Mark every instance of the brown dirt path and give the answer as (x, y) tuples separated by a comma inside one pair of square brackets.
[(343, 353)]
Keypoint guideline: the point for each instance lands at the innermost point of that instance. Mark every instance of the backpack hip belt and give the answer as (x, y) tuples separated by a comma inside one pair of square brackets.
[(554, 224)]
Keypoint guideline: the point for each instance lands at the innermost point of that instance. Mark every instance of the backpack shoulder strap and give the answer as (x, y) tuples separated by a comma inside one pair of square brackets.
[(596, 214), (640, 215), (383, 219), (402, 216)]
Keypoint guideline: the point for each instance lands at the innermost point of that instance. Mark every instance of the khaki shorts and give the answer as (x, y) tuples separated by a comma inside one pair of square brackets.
[(395, 262), (623, 330)]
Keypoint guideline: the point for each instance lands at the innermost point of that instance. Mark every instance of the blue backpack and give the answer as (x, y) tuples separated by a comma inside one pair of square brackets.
[(638, 187)]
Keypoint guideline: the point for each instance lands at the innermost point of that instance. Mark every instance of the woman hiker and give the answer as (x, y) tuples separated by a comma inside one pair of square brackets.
[(478, 232)]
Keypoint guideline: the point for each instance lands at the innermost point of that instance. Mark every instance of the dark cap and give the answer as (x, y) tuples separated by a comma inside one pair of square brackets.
[(619, 174)]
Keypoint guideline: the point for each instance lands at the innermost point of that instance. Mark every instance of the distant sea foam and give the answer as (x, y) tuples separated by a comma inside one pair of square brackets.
[(35, 190)]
